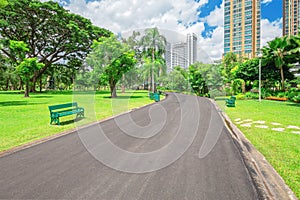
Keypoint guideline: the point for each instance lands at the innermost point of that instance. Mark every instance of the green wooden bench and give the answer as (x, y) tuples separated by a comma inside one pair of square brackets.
[(231, 101), (61, 110)]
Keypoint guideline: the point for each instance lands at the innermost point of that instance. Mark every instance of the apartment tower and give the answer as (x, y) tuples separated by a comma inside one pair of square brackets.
[(183, 53), (291, 17), (242, 27), (192, 48)]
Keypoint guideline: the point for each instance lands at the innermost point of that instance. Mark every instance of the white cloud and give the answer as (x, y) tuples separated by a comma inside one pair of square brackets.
[(216, 17), (121, 16), (266, 1), (212, 47), (125, 15), (270, 30)]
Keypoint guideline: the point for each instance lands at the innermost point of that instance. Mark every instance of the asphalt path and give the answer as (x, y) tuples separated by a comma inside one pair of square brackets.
[(178, 148)]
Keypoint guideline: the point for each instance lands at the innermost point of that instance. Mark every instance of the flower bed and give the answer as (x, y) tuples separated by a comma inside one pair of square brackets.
[(277, 98)]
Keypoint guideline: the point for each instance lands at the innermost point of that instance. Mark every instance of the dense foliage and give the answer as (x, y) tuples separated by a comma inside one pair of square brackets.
[(51, 33)]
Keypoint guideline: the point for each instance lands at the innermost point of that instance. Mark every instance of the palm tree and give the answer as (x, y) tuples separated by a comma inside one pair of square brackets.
[(276, 51), (293, 54), (152, 42), (284, 52)]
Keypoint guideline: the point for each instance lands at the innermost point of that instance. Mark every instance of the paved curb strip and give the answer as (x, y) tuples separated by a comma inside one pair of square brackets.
[(74, 130), (267, 181)]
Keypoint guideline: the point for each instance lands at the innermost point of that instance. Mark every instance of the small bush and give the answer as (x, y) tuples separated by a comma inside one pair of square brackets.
[(248, 95), (240, 96), (292, 93), (251, 95), (281, 94), (296, 98)]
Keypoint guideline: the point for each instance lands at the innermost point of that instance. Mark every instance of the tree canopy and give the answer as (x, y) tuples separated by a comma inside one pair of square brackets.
[(278, 51), (153, 44), (52, 34), (111, 58)]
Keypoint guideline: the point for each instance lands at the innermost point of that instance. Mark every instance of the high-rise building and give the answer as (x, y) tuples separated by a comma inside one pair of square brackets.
[(192, 48), (291, 17), (242, 27), (179, 55), (183, 53)]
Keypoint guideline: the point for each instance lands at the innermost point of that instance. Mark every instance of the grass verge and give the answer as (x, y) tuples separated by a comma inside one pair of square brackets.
[(273, 128), (23, 120)]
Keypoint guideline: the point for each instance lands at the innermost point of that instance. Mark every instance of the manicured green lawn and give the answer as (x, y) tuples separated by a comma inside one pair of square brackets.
[(274, 129), (26, 119)]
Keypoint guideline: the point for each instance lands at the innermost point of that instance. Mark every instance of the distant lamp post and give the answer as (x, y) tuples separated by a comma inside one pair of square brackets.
[(259, 77)]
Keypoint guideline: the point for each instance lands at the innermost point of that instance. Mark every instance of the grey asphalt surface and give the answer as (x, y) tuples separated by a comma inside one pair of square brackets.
[(64, 169)]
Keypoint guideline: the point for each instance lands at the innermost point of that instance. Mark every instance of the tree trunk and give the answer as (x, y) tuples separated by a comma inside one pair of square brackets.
[(113, 91), (282, 78), (20, 84), (7, 84), (26, 89), (152, 71), (32, 88), (123, 83), (149, 83), (41, 84)]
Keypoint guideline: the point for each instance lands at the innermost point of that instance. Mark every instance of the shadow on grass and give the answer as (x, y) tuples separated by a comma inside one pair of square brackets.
[(293, 104), (17, 103), (125, 97), (41, 97), (12, 92), (68, 122)]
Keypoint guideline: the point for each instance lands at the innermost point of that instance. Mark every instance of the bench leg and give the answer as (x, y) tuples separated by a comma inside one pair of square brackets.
[(55, 120), (80, 114)]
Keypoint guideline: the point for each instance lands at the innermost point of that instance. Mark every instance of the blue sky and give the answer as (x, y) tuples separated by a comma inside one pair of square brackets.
[(203, 17)]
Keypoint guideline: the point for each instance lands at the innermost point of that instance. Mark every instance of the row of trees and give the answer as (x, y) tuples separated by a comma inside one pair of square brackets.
[(134, 60), (277, 58), (42, 41), (38, 39)]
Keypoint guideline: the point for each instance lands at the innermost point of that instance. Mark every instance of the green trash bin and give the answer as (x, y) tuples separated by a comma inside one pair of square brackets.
[(156, 97), (151, 96)]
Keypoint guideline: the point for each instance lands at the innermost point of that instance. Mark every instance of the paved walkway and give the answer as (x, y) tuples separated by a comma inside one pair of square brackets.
[(190, 155)]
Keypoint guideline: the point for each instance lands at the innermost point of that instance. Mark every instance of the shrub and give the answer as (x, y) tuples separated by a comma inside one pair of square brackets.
[(281, 94), (296, 98), (248, 95), (240, 96), (251, 95), (292, 93)]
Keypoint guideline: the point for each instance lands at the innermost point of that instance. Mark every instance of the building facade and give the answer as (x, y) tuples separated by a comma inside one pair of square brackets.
[(291, 17), (182, 54), (242, 27), (192, 48)]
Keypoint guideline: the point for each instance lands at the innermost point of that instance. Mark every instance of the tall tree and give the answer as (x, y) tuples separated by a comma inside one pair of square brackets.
[(229, 62), (52, 33), (276, 51), (197, 81), (153, 44), (113, 57), (294, 52)]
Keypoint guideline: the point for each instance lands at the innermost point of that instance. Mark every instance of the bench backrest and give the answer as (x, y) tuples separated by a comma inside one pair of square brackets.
[(233, 98), (62, 106)]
